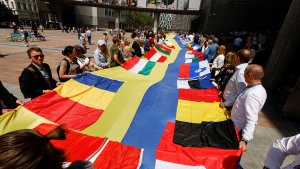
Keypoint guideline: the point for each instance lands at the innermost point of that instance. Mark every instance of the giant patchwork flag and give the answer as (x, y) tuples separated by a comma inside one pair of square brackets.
[(139, 66), (101, 152), (78, 103), (154, 56), (170, 155), (194, 70)]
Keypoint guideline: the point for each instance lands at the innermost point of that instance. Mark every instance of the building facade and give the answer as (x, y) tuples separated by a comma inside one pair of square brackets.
[(26, 10), (166, 20), (184, 23)]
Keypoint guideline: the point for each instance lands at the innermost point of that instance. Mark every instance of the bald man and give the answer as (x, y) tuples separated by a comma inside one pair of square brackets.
[(237, 81), (248, 104)]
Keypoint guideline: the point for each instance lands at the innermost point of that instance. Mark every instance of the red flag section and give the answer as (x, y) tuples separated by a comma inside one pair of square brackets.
[(62, 110), (164, 48), (131, 63), (170, 155), (204, 95), (170, 46), (117, 155), (184, 71), (104, 154)]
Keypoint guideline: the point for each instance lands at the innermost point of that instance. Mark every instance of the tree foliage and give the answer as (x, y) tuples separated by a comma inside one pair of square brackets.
[(6, 14), (137, 18)]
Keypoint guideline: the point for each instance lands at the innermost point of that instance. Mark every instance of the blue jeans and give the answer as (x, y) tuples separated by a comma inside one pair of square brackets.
[(89, 39)]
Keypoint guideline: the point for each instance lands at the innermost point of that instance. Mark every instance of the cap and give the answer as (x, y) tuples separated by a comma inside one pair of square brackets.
[(100, 42)]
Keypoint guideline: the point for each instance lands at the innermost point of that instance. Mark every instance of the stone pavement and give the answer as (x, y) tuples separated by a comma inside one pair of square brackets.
[(271, 123)]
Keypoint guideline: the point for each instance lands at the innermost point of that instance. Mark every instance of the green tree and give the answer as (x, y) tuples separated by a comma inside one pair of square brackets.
[(6, 14), (137, 18)]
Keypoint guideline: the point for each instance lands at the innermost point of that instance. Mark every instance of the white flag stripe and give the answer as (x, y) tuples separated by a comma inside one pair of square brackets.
[(155, 57), (141, 158), (139, 66), (189, 56), (168, 165), (183, 84), (203, 64)]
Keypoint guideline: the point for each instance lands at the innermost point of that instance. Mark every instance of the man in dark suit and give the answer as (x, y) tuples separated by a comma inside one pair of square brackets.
[(137, 50), (262, 56), (37, 77)]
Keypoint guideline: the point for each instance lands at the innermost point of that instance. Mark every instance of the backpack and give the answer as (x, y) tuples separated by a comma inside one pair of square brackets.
[(68, 68), (25, 34), (27, 95)]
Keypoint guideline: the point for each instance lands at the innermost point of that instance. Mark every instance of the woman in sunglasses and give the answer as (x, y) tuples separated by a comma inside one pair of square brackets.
[(68, 67)]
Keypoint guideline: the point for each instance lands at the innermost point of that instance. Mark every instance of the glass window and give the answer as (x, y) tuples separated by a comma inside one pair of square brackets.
[(106, 12), (112, 12), (24, 7), (19, 6), (109, 12), (37, 15), (34, 8), (30, 8), (12, 5), (7, 4)]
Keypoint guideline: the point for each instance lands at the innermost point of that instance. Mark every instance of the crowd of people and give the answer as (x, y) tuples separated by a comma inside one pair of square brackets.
[(236, 74)]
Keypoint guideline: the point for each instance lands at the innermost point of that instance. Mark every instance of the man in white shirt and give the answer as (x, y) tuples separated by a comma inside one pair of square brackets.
[(89, 35), (248, 104), (191, 36), (237, 81), (280, 149)]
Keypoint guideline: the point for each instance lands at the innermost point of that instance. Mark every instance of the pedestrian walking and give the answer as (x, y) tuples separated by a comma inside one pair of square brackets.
[(89, 35), (24, 36), (42, 28)]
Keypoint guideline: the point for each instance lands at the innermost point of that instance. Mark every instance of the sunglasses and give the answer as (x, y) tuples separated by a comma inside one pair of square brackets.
[(37, 56)]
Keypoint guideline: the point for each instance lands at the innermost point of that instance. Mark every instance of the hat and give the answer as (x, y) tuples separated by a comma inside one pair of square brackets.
[(101, 42), (83, 34)]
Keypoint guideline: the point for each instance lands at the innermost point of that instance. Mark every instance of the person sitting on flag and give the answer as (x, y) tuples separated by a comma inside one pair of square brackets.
[(280, 149), (31, 149), (37, 78), (237, 81), (248, 104)]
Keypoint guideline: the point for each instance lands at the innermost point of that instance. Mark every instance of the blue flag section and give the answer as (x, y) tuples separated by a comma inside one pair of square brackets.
[(158, 106)]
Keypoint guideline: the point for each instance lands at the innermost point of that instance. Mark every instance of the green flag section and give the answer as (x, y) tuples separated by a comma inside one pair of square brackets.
[(147, 68), (162, 50)]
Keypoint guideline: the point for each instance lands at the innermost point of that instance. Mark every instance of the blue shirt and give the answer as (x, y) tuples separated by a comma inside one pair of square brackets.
[(146, 46), (238, 42), (211, 51), (44, 73)]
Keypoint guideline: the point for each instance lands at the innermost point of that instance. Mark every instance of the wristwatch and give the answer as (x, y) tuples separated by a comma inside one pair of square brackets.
[(244, 140)]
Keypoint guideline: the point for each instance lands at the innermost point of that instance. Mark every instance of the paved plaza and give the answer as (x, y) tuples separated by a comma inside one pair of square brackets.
[(271, 123)]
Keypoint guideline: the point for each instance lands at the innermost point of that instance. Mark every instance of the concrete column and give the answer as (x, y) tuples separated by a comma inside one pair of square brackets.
[(117, 22), (95, 17), (156, 15), (58, 8), (285, 50)]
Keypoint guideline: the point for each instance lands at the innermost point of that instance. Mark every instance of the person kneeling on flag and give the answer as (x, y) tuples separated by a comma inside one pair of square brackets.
[(248, 104), (28, 148)]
